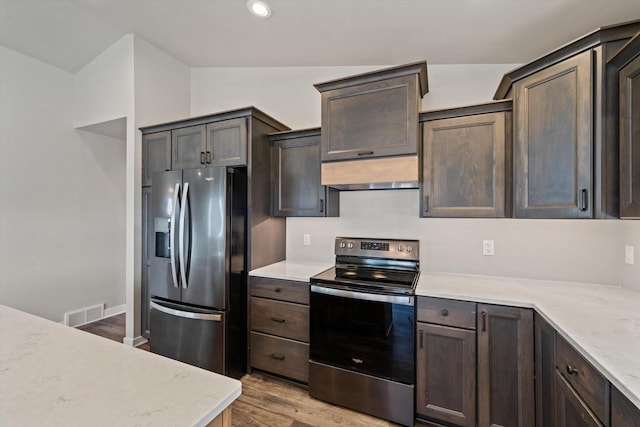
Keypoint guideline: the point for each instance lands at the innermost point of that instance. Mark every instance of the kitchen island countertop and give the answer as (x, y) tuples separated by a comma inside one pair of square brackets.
[(54, 375), (299, 271), (601, 322)]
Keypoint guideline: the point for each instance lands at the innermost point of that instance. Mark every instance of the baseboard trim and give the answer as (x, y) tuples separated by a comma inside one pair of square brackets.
[(112, 311), (134, 342)]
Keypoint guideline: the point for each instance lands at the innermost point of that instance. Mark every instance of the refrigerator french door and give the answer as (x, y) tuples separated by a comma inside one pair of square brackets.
[(198, 255)]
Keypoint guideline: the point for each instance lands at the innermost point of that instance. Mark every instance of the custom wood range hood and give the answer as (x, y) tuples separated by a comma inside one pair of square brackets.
[(370, 129)]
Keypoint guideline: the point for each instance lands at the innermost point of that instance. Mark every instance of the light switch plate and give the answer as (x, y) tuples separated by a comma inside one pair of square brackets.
[(306, 239), (628, 254)]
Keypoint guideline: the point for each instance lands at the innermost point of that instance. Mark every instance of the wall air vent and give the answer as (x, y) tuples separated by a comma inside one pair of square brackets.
[(84, 315)]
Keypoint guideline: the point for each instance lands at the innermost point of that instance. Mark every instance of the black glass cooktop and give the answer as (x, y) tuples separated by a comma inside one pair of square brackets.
[(372, 279)]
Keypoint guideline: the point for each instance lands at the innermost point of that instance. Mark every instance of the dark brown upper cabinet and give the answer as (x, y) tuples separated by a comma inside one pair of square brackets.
[(505, 366), (227, 143), (220, 143), (565, 107), (627, 61), (188, 146), (467, 161), (372, 114), (296, 188), (156, 155)]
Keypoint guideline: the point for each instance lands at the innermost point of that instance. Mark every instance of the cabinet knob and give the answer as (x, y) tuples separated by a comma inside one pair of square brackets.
[(278, 290), (571, 370), (445, 312)]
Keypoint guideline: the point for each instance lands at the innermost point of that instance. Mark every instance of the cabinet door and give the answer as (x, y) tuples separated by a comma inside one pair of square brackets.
[(296, 178), (446, 374), (545, 362), (571, 410), (464, 166), (156, 155), (630, 140), (623, 412), (371, 120), (505, 366), (227, 143), (553, 141), (188, 147), (146, 261)]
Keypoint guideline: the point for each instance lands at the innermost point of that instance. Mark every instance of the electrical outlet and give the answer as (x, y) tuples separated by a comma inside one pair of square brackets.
[(306, 239), (628, 254), (488, 247)]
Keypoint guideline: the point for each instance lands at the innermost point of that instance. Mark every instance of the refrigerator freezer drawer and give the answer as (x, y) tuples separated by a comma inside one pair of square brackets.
[(193, 336)]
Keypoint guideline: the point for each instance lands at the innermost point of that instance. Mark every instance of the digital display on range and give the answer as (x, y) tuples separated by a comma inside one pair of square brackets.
[(374, 246)]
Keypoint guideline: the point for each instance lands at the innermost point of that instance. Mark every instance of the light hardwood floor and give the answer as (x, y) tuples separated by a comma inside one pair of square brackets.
[(265, 401)]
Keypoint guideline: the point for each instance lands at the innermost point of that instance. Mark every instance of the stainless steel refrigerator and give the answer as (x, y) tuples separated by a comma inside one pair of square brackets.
[(197, 278)]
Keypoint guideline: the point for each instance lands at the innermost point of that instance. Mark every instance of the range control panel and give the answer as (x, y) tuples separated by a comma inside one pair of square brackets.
[(378, 248)]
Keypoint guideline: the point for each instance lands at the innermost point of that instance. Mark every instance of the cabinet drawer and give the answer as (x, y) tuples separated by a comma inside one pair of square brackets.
[(585, 379), (571, 410), (283, 290), (447, 312), (280, 318), (280, 356)]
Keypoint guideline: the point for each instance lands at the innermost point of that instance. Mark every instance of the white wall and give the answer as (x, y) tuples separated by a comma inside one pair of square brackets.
[(61, 197), (287, 93), (103, 89), (573, 250)]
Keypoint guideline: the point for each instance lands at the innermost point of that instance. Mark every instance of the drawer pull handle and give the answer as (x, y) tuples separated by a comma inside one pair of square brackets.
[(571, 370), (202, 159), (421, 335), (365, 153), (277, 319), (277, 356), (445, 312), (278, 290)]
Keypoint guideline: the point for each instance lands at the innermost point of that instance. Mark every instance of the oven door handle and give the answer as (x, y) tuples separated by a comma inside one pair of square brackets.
[(392, 299)]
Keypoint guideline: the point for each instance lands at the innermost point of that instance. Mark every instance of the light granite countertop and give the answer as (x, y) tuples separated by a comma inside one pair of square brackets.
[(601, 322), (291, 270), (54, 375)]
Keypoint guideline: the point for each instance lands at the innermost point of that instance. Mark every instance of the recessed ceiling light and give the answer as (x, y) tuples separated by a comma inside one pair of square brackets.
[(259, 8)]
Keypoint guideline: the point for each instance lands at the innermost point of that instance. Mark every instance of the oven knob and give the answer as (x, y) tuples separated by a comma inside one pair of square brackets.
[(409, 248), (400, 248), (343, 245), (350, 245)]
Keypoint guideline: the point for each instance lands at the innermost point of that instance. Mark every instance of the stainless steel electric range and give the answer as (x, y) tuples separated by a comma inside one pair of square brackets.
[(362, 317)]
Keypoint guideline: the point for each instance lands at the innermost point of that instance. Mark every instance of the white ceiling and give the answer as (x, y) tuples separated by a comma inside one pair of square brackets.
[(222, 33)]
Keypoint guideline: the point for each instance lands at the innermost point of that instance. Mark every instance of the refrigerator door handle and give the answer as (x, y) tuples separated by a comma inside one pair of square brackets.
[(181, 256), (172, 235), (186, 314)]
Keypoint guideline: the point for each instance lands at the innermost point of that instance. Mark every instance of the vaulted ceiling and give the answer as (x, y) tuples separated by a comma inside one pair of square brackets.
[(222, 33)]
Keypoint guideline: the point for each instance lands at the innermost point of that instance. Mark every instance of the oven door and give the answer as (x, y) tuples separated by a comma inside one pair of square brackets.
[(363, 332)]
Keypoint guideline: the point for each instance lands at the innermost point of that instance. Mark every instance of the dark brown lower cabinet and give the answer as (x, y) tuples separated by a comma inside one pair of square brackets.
[(446, 374), (571, 410), (505, 366), (545, 365)]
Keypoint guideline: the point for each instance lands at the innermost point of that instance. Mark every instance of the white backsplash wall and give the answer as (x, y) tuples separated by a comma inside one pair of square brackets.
[(568, 250), (630, 235)]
